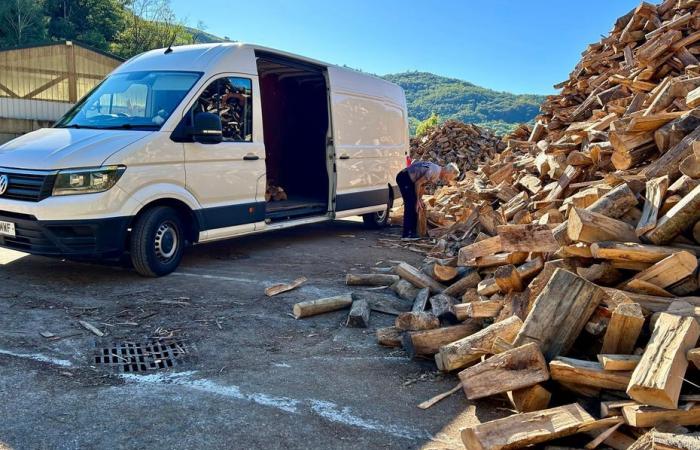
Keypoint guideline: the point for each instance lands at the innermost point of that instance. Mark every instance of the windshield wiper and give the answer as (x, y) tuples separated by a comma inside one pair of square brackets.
[(78, 126), (129, 126)]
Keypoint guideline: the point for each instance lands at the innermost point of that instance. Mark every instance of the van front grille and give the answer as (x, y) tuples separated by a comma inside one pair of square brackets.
[(26, 185)]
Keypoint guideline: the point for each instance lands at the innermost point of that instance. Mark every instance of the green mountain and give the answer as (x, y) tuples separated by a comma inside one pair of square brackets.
[(451, 98)]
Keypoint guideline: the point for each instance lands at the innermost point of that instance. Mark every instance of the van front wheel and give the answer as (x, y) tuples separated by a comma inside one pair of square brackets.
[(157, 242), (377, 219)]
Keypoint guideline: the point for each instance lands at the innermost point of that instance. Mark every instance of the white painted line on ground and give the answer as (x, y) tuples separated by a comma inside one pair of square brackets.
[(324, 409), (38, 357), (218, 277)]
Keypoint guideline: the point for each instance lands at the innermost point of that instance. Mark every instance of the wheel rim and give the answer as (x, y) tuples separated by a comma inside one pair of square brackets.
[(166, 241), (381, 216)]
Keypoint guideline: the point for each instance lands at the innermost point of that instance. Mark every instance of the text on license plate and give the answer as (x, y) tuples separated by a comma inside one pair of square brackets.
[(7, 228)]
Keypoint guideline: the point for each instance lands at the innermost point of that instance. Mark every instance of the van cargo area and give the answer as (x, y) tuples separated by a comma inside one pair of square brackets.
[(294, 99)]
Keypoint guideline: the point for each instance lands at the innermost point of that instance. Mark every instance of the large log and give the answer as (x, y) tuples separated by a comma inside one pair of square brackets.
[(320, 306), (522, 430), (462, 352), (527, 238), (428, 342), (658, 378), (679, 218), (370, 279), (588, 373), (417, 278), (614, 204), (625, 326), (559, 313), (514, 369), (586, 226)]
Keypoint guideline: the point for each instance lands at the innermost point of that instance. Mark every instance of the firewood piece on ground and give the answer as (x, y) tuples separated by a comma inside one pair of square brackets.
[(417, 321), (421, 301), (91, 328), (518, 368), (417, 278), (389, 336), (370, 279), (428, 342), (405, 290), (284, 287), (658, 378), (430, 402), (359, 314), (321, 306)]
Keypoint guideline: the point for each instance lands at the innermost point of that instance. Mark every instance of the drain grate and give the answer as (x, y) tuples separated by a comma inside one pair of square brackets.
[(142, 356)]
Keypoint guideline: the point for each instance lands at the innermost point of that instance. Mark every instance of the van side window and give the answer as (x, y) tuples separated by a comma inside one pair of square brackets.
[(231, 98)]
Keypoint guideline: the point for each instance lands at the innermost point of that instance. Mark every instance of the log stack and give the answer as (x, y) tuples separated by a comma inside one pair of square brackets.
[(582, 240), (466, 145)]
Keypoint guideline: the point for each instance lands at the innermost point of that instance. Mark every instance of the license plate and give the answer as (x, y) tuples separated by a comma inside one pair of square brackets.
[(7, 228)]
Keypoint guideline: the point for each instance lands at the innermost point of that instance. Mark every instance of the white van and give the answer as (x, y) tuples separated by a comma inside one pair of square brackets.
[(178, 146)]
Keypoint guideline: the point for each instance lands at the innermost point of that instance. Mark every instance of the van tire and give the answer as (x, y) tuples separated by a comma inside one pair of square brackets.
[(157, 242), (377, 220)]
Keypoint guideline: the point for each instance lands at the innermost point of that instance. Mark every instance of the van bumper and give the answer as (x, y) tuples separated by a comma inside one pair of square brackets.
[(80, 239)]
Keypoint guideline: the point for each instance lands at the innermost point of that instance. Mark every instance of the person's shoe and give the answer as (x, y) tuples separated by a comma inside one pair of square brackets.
[(410, 237)]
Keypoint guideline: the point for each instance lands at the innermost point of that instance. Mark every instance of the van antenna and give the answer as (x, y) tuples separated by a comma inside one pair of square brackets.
[(170, 46)]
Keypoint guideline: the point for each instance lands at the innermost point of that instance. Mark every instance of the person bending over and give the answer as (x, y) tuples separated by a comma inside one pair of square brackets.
[(412, 181)]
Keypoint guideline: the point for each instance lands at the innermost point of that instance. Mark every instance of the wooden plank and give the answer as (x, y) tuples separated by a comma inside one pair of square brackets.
[(527, 238), (624, 328), (462, 352), (559, 313), (658, 378), (514, 369), (588, 373), (522, 430)]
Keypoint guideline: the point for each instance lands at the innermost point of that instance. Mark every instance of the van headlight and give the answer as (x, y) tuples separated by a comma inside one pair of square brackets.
[(87, 181)]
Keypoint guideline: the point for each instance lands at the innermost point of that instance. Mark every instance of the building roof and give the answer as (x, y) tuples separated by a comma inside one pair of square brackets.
[(63, 42)]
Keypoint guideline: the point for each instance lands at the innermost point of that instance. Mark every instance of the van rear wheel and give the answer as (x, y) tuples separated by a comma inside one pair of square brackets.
[(377, 219), (157, 242)]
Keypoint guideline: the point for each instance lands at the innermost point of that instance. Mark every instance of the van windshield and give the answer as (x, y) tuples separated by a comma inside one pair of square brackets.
[(133, 100)]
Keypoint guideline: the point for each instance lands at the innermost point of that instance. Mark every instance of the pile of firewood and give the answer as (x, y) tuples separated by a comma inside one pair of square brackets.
[(275, 193), (565, 271), (466, 145)]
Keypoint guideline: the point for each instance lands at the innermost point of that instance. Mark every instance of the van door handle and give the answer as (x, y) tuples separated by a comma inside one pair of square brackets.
[(251, 157), (344, 157)]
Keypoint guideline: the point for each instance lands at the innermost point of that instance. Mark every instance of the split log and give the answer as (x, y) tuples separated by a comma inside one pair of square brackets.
[(370, 279), (644, 416), (588, 373), (625, 326), (459, 354), (655, 440), (508, 279), (482, 309), (443, 273), (527, 238), (693, 356), (518, 368), (533, 398), (614, 204), (469, 280), (500, 259), (653, 303), (658, 378), (629, 158), (522, 430), (421, 301), (655, 191), (359, 314), (672, 133), (669, 162), (417, 278), (416, 321), (320, 306), (669, 270), (428, 342), (570, 174), (486, 247), (586, 226), (559, 313), (628, 251), (442, 307), (624, 363), (405, 290), (389, 336), (679, 218)]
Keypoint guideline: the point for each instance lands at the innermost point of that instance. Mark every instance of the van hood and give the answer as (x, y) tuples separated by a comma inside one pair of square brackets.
[(64, 148)]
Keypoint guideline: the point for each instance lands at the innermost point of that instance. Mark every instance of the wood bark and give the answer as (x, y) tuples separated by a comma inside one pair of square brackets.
[(442, 307), (389, 336), (320, 306), (681, 217), (416, 321), (370, 279), (459, 287), (421, 301)]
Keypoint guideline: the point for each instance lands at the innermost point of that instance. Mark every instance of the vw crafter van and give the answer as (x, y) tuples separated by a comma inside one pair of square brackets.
[(178, 146)]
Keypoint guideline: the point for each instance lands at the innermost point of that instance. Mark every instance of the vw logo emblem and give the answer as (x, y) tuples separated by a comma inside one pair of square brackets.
[(3, 183)]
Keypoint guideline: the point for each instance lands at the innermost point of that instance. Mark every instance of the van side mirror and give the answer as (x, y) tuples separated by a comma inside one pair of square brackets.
[(207, 128)]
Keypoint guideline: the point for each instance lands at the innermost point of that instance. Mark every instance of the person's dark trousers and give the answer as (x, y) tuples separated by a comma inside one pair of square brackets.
[(408, 192)]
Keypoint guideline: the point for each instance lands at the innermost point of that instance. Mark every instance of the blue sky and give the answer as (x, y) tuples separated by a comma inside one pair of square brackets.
[(507, 45)]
